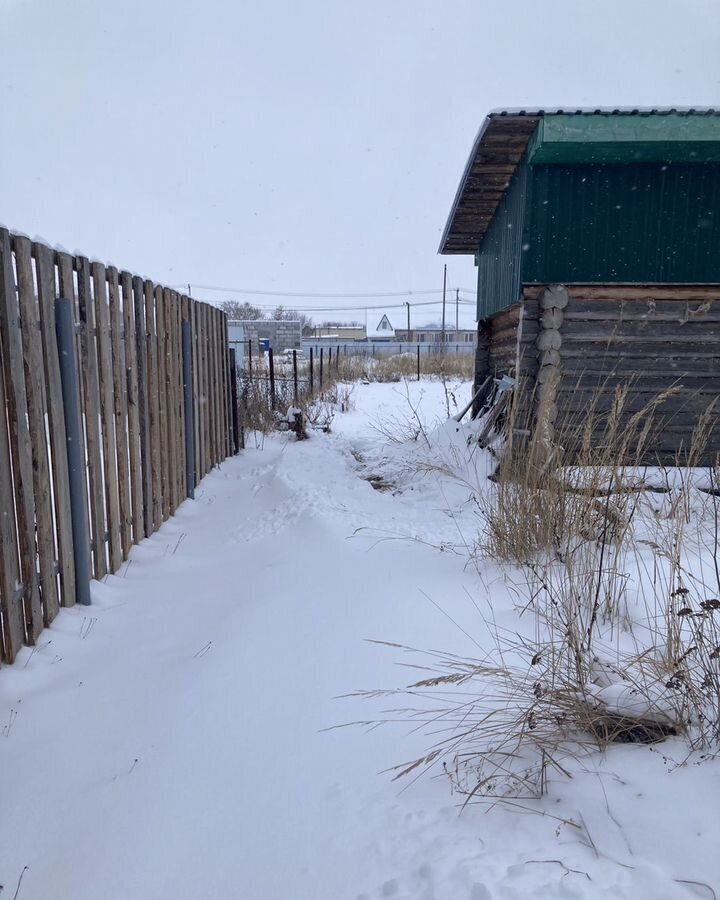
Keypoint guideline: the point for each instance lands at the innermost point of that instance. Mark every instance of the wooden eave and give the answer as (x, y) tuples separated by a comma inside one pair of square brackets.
[(498, 149)]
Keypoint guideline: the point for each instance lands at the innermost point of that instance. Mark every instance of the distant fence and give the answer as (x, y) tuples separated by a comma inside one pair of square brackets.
[(116, 398), (388, 348)]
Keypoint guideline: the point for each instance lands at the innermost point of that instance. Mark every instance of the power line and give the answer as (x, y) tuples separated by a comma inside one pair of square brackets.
[(470, 303), (329, 296)]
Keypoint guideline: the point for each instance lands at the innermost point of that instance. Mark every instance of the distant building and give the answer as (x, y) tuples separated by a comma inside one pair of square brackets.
[(432, 334), (338, 332), (279, 334), (380, 329)]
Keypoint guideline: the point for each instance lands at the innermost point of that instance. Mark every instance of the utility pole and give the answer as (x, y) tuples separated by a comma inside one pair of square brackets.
[(443, 317), (457, 311), (407, 303), (189, 290)]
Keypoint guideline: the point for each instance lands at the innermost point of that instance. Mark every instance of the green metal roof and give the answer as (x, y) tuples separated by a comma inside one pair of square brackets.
[(569, 136), (673, 137)]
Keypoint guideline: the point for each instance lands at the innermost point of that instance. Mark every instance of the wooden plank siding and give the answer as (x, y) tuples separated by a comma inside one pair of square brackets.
[(128, 354)]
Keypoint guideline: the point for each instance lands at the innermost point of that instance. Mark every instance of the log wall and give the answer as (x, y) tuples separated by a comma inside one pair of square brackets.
[(571, 348), (648, 339)]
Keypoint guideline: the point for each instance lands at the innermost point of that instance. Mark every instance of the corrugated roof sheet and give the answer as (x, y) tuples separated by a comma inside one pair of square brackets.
[(497, 150)]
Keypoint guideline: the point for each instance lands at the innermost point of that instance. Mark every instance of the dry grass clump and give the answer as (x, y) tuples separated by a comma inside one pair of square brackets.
[(548, 496), (616, 569), (500, 725)]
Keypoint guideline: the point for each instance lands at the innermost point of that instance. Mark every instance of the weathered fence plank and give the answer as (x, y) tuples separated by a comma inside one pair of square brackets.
[(37, 410), (91, 403), (56, 416), (135, 473), (154, 404), (66, 288), (147, 527), (107, 415), (170, 459), (216, 412), (13, 624), (20, 444), (204, 405), (194, 326), (161, 340), (119, 378)]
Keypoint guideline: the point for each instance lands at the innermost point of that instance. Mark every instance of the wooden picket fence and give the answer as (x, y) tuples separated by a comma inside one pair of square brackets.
[(128, 349)]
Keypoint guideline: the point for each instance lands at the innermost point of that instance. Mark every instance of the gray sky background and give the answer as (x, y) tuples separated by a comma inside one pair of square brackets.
[(301, 146)]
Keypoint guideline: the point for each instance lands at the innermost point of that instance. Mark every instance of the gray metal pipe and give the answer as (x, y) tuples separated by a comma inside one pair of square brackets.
[(65, 333)]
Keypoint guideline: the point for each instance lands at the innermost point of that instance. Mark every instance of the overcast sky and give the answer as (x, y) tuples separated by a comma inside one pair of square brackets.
[(301, 146)]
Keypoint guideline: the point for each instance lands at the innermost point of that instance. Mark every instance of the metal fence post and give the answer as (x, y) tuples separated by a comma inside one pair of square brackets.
[(234, 401), (271, 363), (65, 333), (187, 369), (295, 378), (312, 374)]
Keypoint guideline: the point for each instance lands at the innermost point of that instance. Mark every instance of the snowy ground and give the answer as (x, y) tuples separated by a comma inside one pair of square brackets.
[(169, 741)]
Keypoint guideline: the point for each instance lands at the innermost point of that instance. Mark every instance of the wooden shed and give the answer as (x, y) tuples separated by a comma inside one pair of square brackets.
[(596, 234)]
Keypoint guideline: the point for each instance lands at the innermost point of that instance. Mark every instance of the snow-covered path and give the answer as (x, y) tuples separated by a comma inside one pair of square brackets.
[(168, 741)]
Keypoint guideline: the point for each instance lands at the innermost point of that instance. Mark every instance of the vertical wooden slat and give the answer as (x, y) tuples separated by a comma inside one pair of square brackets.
[(107, 414), (184, 317), (169, 421), (222, 384), (66, 287), (202, 404), (135, 473), (209, 400), (179, 405), (227, 410), (213, 387), (162, 401), (209, 386), (56, 416), (222, 388), (196, 390), (91, 401), (36, 410), (20, 444), (175, 357), (146, 525), (219, 393), (120, 407), (13, 625), (154, 404)]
